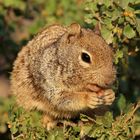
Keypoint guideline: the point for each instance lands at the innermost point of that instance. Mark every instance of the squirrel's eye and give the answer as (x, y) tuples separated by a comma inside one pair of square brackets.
[(85, 57)]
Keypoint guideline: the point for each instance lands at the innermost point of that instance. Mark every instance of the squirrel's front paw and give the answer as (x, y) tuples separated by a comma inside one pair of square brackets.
[(94, 101), (108, 97)]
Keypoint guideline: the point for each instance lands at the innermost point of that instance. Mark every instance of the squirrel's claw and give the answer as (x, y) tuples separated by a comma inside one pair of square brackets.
[(94, 101), (109, 96)]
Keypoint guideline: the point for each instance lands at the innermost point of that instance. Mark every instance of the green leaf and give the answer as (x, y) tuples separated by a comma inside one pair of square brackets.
[(86, 129), (99, 120), (102, 137), (89, 18), (14, 129), (16, 4), (128, 108), (100, 2), (111, 137), (97, 132), (51, 6), (108, 119), (137, 1), (2, 10), (84, 117), (118, 55), (65, 3), (130, 20), (123, 138), (123, 3), (56, 134), (121, 20), (107, 3), (91, 6), (138, 25), (121, 103), (108, 23), (107, 34), (129, 32), (115, 14)]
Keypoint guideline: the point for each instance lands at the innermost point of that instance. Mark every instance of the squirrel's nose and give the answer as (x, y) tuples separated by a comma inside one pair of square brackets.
[(109, 81), (108, 84)]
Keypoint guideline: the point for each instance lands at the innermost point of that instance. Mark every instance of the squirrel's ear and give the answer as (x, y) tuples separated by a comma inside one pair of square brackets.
[(97, 28), (74, 31)]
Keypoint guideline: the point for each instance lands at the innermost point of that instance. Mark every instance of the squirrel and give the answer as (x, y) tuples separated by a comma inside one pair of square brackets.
[(64, 71)]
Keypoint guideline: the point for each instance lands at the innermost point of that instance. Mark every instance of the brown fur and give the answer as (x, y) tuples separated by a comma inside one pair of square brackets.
[(50, 75)]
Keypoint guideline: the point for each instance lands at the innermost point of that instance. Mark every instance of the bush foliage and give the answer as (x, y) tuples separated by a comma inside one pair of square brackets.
[(119, 22), (28, 125)]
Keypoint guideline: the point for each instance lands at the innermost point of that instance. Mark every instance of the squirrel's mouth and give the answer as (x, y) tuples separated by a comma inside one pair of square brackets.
[(94, 87)]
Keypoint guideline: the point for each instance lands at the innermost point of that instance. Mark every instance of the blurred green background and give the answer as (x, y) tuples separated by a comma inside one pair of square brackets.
[(118, 20)]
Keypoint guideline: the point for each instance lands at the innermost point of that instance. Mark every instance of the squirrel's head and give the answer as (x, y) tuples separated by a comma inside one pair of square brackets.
[(86, 58)]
